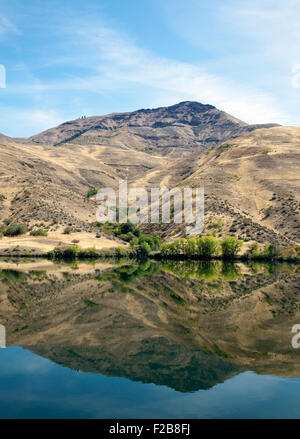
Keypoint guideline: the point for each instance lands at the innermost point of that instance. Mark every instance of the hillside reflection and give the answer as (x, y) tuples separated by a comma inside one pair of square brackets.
[(184, 324)]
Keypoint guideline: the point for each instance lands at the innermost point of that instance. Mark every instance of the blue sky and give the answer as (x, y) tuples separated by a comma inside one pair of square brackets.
[(68, 58)]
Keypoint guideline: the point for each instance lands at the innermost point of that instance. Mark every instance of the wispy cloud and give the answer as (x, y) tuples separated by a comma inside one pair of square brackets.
[(114, 62), (92, 59), (256, 43), (273, 24), (6, 26), (120, 62), (29, 120)]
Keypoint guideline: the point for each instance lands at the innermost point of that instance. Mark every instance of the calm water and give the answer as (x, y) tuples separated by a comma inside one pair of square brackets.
[(151, 340)]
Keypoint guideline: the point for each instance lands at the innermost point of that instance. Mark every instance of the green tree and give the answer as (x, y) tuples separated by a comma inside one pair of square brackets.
[(269, 251), (134, 242), (230, 246), (182, 245), (127, 227), (254, 250), (207, 246), (145, 249), (191, 247)]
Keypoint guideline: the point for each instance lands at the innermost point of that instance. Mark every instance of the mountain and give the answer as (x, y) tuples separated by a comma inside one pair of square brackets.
[(251, 182), (4, 138), (167, 130)]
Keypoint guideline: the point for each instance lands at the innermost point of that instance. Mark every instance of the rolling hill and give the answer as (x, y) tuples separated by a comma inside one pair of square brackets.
[(174, 130), (250, 174), (251, 185)]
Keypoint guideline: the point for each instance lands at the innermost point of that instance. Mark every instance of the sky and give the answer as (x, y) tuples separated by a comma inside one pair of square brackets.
[(62, 59)]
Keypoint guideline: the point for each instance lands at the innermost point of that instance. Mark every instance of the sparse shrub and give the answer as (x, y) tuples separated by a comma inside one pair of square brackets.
[(268, 211), (254, 250), (217, 225), (291, 253), (127, 237), (15, 229), (70, 252), (67, 230), (39, 232), (89, 253), (89, 303), (120, 251), (91, 192)]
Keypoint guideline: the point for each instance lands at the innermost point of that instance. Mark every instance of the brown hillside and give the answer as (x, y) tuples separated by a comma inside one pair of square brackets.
[(171, 130), (251, 182)]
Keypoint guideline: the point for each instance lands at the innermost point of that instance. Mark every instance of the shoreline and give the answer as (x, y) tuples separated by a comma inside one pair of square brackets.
[(156, 256)]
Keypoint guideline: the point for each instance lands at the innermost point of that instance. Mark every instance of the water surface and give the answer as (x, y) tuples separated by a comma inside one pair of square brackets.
[(150, 340)]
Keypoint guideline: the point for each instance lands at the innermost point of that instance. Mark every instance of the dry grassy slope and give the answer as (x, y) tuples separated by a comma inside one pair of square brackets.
[(155, 329), (48, 184), (252, 184), (4, 138), (171, 130)]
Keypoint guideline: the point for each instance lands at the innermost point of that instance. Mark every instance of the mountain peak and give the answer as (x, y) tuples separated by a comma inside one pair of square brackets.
[(193, 105), (175, 129)]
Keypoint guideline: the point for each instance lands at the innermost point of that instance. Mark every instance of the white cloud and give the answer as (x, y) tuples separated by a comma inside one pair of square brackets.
[(29, 121), (120, 62), (6, 26), (111, 62), (296, 76), (271, 23)]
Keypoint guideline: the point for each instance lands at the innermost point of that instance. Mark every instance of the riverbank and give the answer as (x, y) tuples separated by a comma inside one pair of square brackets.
[(135, 245), (67, 254)]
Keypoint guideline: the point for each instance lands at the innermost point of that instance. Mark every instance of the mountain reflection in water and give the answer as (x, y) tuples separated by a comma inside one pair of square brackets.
[(187, 325)]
